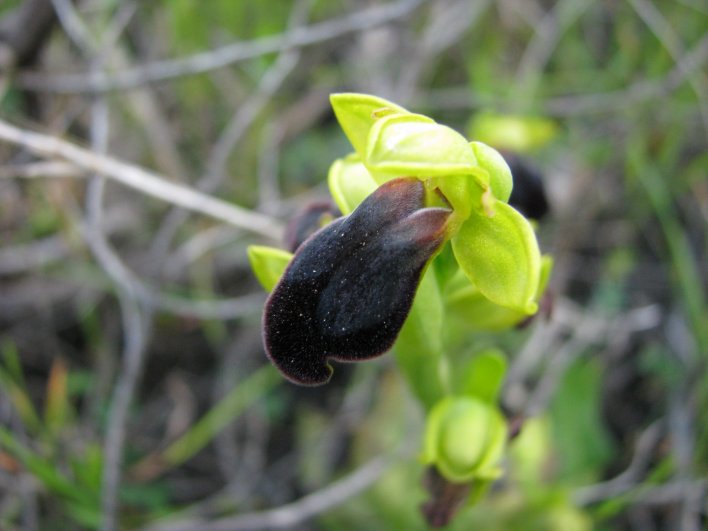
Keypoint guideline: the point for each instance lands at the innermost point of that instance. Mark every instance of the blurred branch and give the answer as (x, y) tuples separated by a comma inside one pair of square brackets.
[(630, 477), (135, 319), (232, 405), (663, 31), (21, 258), (579, 104), (295, 513), (237, 127), (546, 345), (32, 170), (90, 82), (446, 24), (544, 41), (141, 180)]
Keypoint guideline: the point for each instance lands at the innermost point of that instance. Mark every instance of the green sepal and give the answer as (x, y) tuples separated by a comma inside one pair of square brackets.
[(414, 145), (268, 264), (500, 256), (357, 114), (349, 183)]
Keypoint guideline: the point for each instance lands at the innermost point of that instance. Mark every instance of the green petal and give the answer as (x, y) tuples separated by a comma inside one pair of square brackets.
[(478, 313), (414, 145), (499, 172), (268, 264), (500, 255), (465, 304), (357, 114), (349, 183)]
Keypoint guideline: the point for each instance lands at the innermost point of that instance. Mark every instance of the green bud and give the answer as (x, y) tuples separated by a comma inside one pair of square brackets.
[(465, 439)]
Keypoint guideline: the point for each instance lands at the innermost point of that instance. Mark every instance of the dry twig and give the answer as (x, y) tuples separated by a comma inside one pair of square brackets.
[(142, 180), (89, 82)]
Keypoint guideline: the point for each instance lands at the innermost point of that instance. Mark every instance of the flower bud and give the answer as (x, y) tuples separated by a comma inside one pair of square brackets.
[(465, 439)]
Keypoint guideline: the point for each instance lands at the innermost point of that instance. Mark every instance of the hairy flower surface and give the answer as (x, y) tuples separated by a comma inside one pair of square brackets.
[(350, 286)]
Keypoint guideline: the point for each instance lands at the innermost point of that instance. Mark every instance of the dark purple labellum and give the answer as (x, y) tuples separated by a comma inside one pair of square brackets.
[(350, 286)]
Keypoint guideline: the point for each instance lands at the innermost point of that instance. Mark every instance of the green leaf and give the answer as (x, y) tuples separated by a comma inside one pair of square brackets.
[(414, 145), (499, 172), (268, 264), (482, 376), (357, 114), (349, 183), (42, 469), (11, 361), (579, 434), (419, 345), (500, 256)]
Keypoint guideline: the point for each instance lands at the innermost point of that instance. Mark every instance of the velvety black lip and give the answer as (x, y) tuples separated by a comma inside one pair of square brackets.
[(350, 286)]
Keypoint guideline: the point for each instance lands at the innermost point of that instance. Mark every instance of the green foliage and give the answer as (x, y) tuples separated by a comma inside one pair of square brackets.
[(612, 101), (580, 438)]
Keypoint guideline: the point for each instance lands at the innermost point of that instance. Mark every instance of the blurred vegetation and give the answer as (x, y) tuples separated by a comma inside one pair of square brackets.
[(615, 383)]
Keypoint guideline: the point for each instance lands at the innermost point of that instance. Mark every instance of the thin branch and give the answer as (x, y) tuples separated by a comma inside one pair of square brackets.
[(629, 478), (235, 130), (295, 513), (35, 170), (90, 82), (135, 320), (673, 492), (21, 258), (457, 98), (221, 309), (141, 180), (663, 31), (545, 40)]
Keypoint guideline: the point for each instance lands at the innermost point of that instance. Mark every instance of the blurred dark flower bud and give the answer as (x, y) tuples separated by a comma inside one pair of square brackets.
[(350, 286), (308, 221), (528, 195)]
